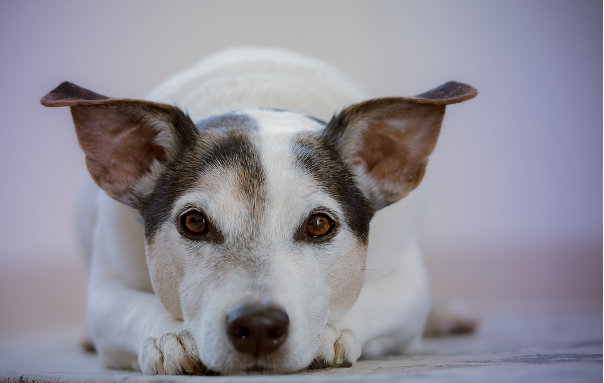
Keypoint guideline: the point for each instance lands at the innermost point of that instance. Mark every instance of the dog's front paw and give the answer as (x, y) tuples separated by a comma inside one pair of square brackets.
[(339, 348), (171, 354)]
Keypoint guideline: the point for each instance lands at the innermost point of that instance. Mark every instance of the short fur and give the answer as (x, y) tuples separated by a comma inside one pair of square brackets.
[(256, 160)]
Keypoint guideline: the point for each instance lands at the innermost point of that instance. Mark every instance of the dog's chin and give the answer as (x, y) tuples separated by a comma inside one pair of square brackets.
[(259, 368)]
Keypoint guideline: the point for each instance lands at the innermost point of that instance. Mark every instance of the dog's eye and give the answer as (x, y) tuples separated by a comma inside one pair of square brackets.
[(194, 223), (319, 225)]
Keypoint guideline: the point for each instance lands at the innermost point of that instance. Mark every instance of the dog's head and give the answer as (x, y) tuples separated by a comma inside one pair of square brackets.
[(256, 222)]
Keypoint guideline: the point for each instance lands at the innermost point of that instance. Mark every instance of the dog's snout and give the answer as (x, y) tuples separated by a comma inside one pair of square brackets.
[(257, 329)]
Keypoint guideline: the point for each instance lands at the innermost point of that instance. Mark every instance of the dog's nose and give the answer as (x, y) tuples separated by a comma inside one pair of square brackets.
[(257, 329)]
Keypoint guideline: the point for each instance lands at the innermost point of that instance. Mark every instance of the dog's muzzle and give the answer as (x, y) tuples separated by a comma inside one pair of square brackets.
[(257, 329)]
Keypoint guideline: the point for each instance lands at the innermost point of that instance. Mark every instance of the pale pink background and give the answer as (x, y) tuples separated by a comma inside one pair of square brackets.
[(513, 194)]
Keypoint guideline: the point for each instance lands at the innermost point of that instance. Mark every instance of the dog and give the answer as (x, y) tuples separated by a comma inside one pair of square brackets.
[(237, 225)]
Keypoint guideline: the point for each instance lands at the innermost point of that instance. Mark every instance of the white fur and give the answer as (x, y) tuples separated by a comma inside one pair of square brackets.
[(128, 321)]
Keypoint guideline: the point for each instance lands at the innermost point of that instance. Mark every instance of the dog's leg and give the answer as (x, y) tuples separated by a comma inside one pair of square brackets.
[(132, 330), (129, 325), (121, 319), (391, 311)]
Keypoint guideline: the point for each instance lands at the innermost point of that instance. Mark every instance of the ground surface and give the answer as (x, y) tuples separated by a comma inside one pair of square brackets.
[(556, 348)]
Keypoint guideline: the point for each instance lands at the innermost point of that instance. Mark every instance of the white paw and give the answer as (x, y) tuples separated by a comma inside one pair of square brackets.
[(171, 354), (339, 348)]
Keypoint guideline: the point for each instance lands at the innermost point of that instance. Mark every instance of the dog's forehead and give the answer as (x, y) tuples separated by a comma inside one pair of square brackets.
[(262, 121), (277, 121), (253, 161)]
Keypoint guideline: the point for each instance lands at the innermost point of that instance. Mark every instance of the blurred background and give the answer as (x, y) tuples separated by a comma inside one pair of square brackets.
[(512, 222)]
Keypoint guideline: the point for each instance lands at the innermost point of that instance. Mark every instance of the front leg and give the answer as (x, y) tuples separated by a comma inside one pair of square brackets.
[(130, 327), (391, 311), (132, 330)]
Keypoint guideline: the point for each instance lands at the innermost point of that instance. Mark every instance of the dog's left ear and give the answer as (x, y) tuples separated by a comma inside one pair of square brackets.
[(127, 142), (387, 141)]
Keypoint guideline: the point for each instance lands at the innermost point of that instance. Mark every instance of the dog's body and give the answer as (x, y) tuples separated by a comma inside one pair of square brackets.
[(255, 222)]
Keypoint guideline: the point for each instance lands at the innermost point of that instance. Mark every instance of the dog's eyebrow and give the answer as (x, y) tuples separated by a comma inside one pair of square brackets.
[(315, 157)]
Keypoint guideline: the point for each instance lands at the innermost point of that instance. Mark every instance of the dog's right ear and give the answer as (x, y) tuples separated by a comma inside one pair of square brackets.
[(127, 142), (387, 141)]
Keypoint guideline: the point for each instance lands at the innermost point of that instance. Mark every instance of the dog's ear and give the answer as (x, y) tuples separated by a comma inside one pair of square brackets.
[(387, 141), (127, 142)]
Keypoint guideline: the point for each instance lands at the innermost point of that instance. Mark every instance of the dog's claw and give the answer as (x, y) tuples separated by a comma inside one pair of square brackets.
[(171, 354), (159, 366), (339, 353)]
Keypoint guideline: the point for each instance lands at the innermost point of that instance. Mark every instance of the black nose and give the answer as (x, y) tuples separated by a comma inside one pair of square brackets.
[(257, 329)]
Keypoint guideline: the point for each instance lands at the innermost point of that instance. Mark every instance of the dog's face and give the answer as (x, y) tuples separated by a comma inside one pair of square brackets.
[(256, 222), (257, 212)]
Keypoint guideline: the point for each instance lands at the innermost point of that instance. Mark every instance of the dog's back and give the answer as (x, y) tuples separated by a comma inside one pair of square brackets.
[(245, 78)]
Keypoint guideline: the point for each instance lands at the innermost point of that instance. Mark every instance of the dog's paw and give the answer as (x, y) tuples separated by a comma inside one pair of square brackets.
[(450, 318), (339, 348), (171, 354)]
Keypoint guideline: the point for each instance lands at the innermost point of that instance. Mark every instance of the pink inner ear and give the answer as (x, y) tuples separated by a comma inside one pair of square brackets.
[(386, 158), (394, 152), (382, 151), (118, 150)]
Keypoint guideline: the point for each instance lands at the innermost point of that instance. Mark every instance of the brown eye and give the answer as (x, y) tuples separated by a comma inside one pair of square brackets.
[(319, 225), (194, 223)]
